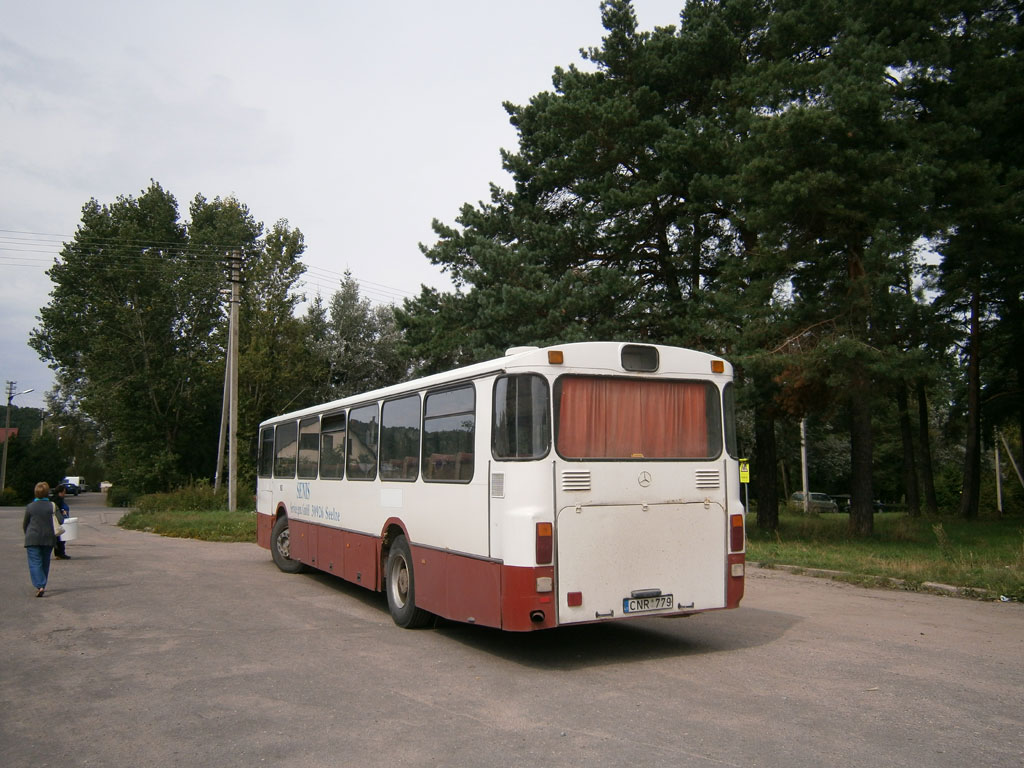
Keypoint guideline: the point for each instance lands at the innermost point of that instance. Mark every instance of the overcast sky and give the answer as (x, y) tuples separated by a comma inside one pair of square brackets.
[(359, 122)]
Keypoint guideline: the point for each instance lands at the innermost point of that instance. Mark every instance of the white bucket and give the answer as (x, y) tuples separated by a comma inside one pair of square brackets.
[(70, 529)]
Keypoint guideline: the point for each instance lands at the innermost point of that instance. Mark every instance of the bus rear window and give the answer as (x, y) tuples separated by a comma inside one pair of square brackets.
[(612, 418)]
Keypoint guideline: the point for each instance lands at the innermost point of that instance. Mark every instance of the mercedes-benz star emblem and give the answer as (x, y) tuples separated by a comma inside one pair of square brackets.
[(644, 479)]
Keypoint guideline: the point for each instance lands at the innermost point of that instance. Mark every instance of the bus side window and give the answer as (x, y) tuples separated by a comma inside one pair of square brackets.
[(266, 459), (309, 447), (522, 417), (332, 447), (284, 449), (400, 439), (362, 443), (449, 434)]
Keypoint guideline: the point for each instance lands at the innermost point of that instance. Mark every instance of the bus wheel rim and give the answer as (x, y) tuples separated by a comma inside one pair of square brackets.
[(400, 581), (284, 544)]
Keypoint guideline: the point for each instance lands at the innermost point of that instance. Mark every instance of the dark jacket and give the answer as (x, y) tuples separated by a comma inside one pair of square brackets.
[(38, 524), (63, 510)]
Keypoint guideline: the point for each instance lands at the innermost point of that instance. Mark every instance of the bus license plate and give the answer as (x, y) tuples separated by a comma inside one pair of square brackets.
[(647, 604)]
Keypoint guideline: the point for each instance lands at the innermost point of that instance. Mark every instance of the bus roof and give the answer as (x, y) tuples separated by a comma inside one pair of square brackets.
[(590, 356)]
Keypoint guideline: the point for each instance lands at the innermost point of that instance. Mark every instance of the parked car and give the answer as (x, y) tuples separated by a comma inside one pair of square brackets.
[(816, 502), (75, 484), (843, 500)]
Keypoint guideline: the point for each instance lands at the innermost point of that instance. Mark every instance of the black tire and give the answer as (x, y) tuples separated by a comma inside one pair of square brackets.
[(280, 547), (400, 584)]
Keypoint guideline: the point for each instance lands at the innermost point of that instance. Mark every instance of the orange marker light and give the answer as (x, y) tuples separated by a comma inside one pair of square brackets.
[(718, 366), (545, 543), (555, 356), (736, 533)]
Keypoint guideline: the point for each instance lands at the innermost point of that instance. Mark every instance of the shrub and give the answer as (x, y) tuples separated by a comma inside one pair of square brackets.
[(120, 496), (9, 498), (191, 498)]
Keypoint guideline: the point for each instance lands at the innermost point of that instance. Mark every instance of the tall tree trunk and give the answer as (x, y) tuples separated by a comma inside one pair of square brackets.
[(931, 503), (972, 457), (1020, 410), (910, 488), (765, 470), (862, 512)]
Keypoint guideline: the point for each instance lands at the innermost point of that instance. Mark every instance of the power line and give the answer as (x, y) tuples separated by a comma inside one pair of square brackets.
[(142, 255)]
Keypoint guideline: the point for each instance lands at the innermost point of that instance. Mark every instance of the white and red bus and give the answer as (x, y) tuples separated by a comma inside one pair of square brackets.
[(577, 483)]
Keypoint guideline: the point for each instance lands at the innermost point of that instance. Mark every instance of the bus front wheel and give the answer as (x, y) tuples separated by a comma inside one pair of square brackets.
[(401, 587), (280, 547)]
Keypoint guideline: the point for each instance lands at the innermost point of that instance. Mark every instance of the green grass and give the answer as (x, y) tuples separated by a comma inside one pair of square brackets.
[(205, 524), (195, 512), (983, 555)]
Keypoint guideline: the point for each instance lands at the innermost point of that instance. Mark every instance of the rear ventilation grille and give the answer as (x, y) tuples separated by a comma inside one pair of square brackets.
[(708, 479), (576, 480), (497, 485)]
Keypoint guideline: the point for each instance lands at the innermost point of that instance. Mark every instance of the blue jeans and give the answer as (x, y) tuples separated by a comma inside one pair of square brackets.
[(39, 565)]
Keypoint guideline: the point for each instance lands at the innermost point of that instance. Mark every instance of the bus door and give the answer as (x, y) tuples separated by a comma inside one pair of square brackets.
[(639, 539)]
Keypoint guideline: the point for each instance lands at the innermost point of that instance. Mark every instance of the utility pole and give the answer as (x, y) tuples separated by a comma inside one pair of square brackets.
[(11, 394), (803, 465), (218, 475), (999, 485), (236, 261)]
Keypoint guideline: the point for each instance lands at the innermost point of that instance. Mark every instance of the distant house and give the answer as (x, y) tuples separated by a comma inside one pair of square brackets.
[(6, 432)]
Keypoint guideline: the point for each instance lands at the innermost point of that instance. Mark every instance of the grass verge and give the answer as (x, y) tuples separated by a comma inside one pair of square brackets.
[(985, 555), (206, 524), (196, 512)]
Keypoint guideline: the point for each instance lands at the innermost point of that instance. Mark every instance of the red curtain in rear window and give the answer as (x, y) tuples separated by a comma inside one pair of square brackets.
[(604, 418)]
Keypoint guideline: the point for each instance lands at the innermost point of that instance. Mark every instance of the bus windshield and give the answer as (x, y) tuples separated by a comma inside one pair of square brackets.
[(616, 418)]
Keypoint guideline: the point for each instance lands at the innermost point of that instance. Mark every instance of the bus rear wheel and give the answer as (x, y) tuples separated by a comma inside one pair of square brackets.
[(280, 547), (401, 587)]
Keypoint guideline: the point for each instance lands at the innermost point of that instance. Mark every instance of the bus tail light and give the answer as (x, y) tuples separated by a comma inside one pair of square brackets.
[(574, 599), (736, 540), (545, 543)]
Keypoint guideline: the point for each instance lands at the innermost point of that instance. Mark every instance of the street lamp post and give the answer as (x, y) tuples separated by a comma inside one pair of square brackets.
[(11, 394)]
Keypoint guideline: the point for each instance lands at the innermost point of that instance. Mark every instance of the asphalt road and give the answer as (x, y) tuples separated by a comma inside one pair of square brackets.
[(156, 652)]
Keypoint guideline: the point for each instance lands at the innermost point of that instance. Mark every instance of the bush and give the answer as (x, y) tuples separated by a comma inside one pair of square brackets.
[(194, 512), (197, 497), (120, 496), (9, 498)]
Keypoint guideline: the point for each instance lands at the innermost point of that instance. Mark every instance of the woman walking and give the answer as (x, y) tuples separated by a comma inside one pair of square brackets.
[(39, 536)]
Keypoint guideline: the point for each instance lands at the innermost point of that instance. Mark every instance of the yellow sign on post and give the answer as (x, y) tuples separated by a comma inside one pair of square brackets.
[(744, 470)]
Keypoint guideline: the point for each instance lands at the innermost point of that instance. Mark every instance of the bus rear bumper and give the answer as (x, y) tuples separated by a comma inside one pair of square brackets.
[(528, 598), (735, 576)]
